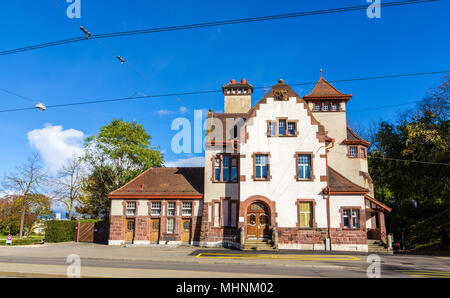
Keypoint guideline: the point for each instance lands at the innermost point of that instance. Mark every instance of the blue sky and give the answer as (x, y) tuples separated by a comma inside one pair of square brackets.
[(407, 39)]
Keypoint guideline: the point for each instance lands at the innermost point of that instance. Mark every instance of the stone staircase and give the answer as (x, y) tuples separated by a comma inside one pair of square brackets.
[(258, 245), (377, 246)]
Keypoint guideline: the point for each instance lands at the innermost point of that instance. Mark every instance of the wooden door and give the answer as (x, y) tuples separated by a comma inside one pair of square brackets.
[(257, 222), (129, 230), (154, 230), (186, 230)]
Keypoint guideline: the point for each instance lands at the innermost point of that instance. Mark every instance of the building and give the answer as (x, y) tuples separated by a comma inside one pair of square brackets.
[(287, 171)]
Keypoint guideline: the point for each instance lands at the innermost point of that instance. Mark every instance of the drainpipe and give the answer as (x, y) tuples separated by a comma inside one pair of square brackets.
[(328, 191)]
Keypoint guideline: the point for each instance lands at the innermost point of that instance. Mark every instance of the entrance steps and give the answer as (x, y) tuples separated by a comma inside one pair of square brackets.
[(258, 245), (377, 246)]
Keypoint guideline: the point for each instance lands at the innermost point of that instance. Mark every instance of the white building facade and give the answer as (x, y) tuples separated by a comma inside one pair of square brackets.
[(287, 172)]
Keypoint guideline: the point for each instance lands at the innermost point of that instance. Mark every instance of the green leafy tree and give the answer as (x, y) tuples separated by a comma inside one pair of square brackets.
[(415, 190), (118, 153)]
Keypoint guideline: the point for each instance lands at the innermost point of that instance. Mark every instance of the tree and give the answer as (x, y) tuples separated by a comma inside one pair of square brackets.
[(68, 183), (25, 183), (118, 153), (415, 190)]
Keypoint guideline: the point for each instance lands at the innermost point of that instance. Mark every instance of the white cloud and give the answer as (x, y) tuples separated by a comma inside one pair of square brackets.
[(187, 162), (56, 145), (162, 113)]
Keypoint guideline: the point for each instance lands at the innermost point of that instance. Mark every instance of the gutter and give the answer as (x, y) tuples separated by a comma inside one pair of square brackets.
[(328, 189)]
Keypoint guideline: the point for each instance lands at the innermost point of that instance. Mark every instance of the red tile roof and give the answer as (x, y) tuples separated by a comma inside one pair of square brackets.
[(324, 90), (164, 182), (338, 183)]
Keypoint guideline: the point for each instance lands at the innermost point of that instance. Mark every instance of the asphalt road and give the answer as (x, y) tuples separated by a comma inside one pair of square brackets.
[(107, 261)]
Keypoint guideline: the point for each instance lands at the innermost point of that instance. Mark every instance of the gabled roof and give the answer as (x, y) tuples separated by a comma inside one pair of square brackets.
[(164, 183), (339, 184), (324, 90), (353, 138)]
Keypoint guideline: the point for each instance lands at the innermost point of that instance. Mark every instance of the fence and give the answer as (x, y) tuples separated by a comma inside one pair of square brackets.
[(94, 232)]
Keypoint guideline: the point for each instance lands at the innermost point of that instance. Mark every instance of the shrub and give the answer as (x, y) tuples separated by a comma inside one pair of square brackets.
[(25, 241), (60, 230)]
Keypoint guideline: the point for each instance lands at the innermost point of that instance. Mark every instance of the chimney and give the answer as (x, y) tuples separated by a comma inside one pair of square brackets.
[(238, 96)]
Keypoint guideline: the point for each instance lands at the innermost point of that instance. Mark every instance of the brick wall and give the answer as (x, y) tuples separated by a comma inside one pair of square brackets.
[(318, 236), (117, 228)]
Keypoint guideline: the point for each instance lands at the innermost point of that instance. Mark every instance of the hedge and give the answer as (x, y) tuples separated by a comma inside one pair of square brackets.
[(25, 241), (60, 230)]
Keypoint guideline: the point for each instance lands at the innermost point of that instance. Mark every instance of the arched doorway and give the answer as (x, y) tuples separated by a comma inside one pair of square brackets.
[(258, 221)]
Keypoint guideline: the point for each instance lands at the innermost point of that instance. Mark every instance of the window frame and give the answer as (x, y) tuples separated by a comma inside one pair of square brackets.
[(254, 155), (312, 203), (275, 125), (350, 210), (350, 147), (170, 219), (183, 208), (127, 208), (311, 166), (169, 209), (220, 157), (151, 208)]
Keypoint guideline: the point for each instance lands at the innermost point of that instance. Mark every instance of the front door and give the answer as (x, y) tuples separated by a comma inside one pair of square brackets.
[(129, 230), (154, 230), (257, 222), (186, 230)]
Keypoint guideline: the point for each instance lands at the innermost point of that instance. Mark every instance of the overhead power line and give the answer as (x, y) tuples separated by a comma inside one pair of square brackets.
[(218, 91), (212, 24)]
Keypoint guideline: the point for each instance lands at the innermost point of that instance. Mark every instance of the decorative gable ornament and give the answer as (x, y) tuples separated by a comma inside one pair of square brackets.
[(280, 94)]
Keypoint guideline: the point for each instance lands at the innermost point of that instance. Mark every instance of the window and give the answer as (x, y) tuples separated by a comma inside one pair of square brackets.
[(345, 214), (351, 218), (363, 153), (170, 225), (261, 166), (353, 151), (317, 107), (217, 169), (225, 168), (131, 209), (335, 107), (171, 209), (304, 166), (306, 218), (326, 107), (291, 128), (233, 169), (216, 214), (282, 127), (272, 128), (155, 208), (187, 209), (355, 218)]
